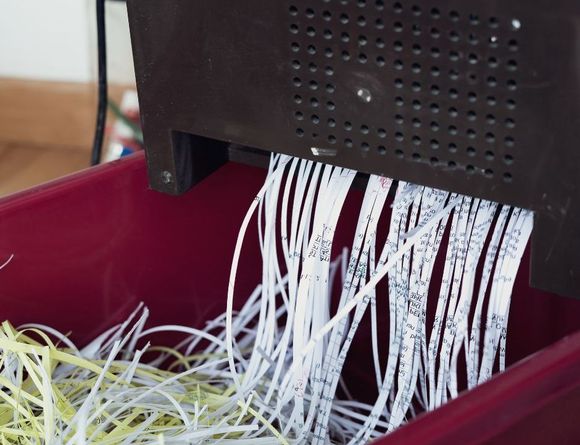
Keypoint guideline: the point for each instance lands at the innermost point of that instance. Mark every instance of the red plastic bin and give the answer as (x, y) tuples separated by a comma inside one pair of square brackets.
[(89, 247)]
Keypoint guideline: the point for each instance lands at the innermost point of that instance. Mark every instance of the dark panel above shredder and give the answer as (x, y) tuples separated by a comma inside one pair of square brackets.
[(476, 97)]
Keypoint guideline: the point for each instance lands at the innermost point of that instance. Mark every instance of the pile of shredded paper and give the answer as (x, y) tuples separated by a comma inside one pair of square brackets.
[(272, 372)]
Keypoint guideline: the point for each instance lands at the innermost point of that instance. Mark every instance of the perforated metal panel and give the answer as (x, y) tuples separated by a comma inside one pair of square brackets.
[(476, 97)]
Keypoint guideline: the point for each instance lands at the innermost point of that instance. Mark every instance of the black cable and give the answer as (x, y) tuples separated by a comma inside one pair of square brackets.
[(102, 85)]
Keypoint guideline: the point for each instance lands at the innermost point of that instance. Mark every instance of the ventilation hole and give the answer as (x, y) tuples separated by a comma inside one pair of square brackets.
[(380, 5), (416, 29), (294, 28), (362, 21), (454, 16), (473, 58), (315, 119), (398, 64), (512, 85), (382, 150), (493, 62), (512, 65), (382, 133), (300, 132), (471, 133), (417, 49), (416, 157), (297, 82), (509, 141), (312, 67), (348, 143), (416, 123), (330, 105), (434, 108), (330, 88), (452, 130), (379, 24), (473, 39), (299, 115), (311, 49), (454, 74), (331, 123), (435, 71), (491, 81), (399, 137), (493, 22), (362, 58), (472, 97), (332, 139), (399, 153), (416, 87), (344, 19), (347, 126), (298, 99), (471, 115), (490, 118), (453, 93), (310, 13), (435, 53), (508, 159), (417, 104), (434, 143), (434, 126), (296, 64), (328, 53), (381, 61), (435, 90), (513, 45), (452, 164), (313, 85), (454, 56), (489, 155), (435, 33), (345, 56), (329, 71), (510, 123), (491, 101), (399, 101), (362, 3), (362, 41), (380, 43), (345, 37), (470, 151), (454, 36), (295, 47), (490, 138), (488, 173), (469, 169), (314, 135), (364, 129), (453, 112), (416, 68), (452, 147), (511, 104), (399, 119), (416, 10), (473, 19), (293, 10), (314, 102), (399, 83), (507, 177), (398, 8), (435, 13), (310, 31), (365, 146), (398, 46)]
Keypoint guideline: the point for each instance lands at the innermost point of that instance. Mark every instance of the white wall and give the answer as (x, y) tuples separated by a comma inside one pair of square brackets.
[(55, 40)]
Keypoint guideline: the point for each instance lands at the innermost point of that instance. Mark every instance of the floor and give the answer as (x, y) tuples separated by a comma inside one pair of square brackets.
[(46, 131)]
